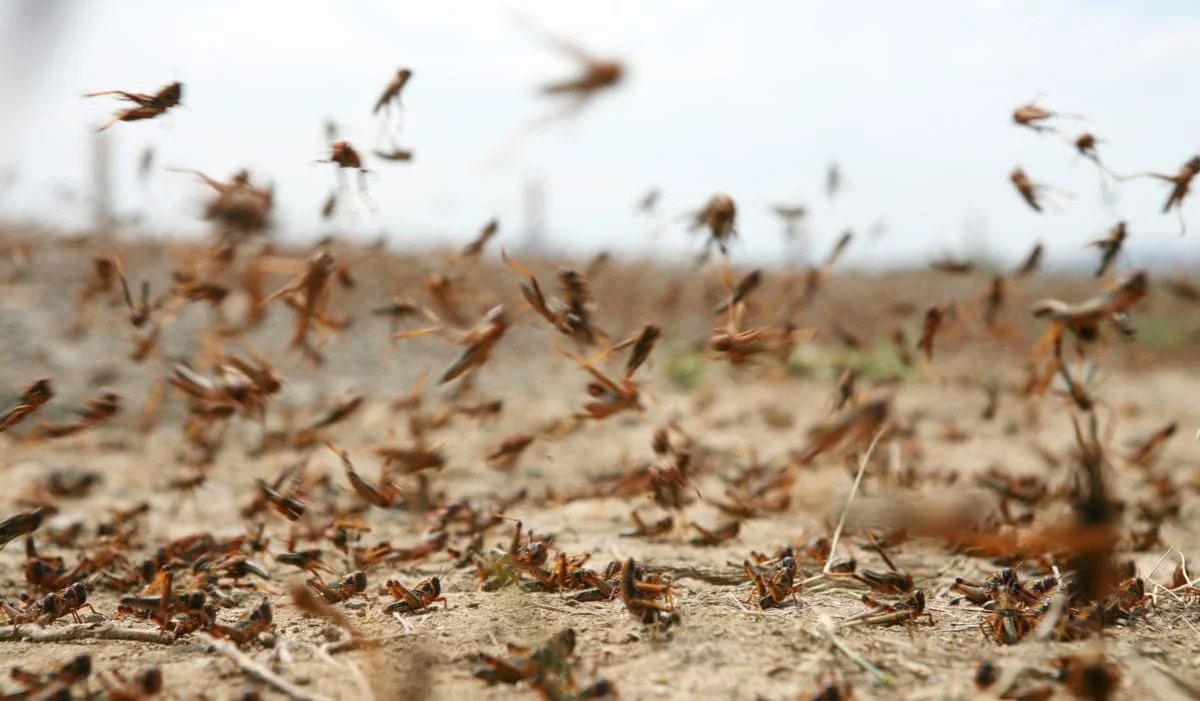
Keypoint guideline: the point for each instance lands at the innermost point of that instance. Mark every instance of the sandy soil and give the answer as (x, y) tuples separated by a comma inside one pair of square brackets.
[(723, 648)]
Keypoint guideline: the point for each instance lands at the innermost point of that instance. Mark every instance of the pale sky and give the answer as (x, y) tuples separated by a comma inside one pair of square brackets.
[(913, 99)]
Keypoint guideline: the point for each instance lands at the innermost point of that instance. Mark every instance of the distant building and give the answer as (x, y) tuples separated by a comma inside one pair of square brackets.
[(102, 189), (534, 239)]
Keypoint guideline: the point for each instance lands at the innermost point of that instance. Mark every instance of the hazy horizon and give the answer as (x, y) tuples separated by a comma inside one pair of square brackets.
[(914, 106)]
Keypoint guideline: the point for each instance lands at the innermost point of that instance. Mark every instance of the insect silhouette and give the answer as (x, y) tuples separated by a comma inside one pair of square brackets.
[(933, 321), (308, 294), (719, 217), (329, 205), (20, 524), (743, 289), (1084, 319), (1110, 247), (396, 154), (476, 247), (1031, 116), (379, 496), (1146, 451), (239, 206), (609, 396), (853, 427), (649, 200), (909, 609), (643, 344), (572, 317), (1030, 191), (639, 598), (1181, 185), (145, 164), (1085, 146), (598, 74), (390, 97), (343, 589), (1032, 262), (504, 456), (478, 342), (32, 398), (344, 156), (422, 596), (833, 180), (148, 106), (951, 266), (894, 581), (774, 585), (815, 276)]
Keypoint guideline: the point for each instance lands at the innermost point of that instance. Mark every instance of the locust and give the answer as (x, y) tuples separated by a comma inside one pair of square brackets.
[(1085, 146), (571, 318), (32, 398), (907, 610), (478, 342), (1181, 184), (239, 206), (1031, 263), (609, 396), (395, 154), (853, 427), (1031, 191), (379, 496), (20, 524), (744, 287), (649, 200), (504, 456), (719, 217), (148, 106), (1110, 247), (422, 596), (599, 74), (1031, 116), (474, 248), (643, 344), (933, 321), (345, 156), (816, 275), (1084, 319), (391, 93), (309, 292)]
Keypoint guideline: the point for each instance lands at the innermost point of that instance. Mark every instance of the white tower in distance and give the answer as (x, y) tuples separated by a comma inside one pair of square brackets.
[(535, 215)]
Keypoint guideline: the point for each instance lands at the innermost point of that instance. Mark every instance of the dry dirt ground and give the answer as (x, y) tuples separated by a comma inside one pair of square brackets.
[(723, 647)]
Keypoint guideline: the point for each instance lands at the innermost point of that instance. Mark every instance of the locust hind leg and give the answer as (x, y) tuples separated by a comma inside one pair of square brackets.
[(365, 196), (383, 134), (343, 189), (109, 123), (399, 115)]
